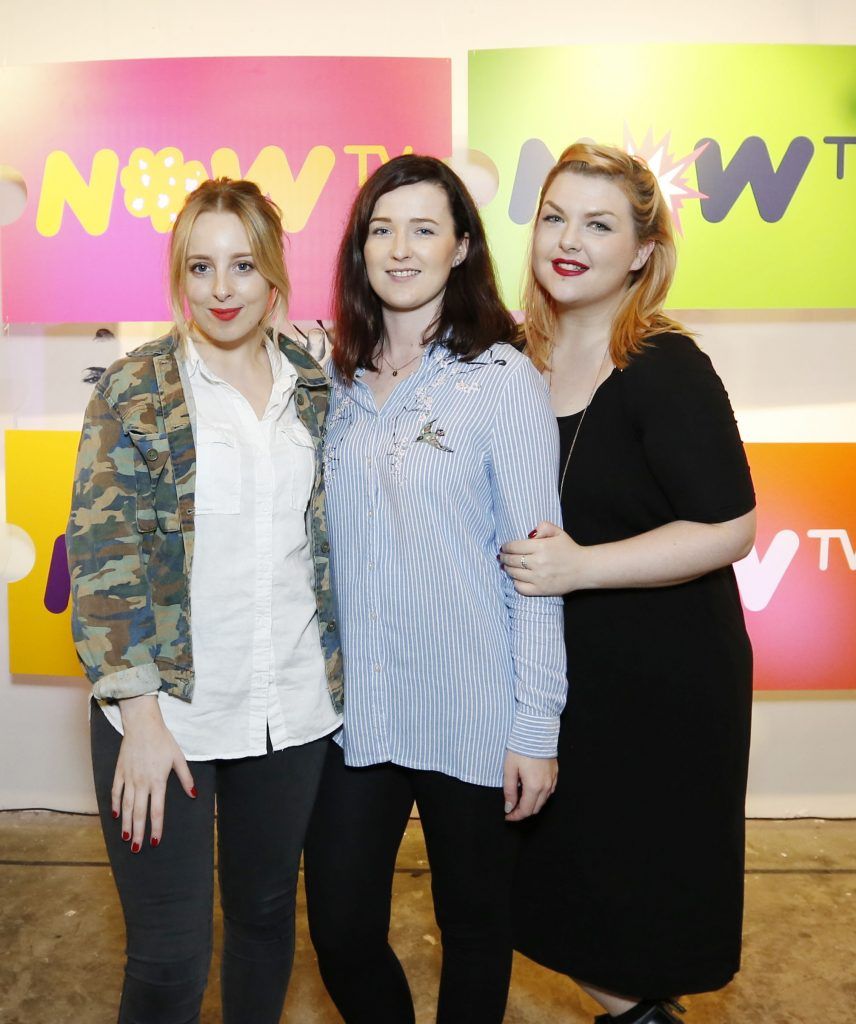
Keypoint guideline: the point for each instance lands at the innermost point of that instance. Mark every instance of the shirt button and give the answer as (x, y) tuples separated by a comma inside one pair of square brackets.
[(325, 548), (190, 512), (376, 666), (371, 566), (373, 615), (371, 514), (151, 455), (368, 460), (331, 626)]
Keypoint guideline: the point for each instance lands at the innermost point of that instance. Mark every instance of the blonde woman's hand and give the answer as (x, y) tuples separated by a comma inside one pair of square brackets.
[(527, 783), (148, 754)]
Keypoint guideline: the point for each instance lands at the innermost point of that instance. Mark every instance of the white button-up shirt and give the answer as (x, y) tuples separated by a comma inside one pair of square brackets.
[(256, 648)]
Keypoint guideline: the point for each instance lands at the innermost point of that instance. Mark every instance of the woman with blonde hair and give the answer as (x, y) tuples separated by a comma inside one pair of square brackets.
[(631, 880), (198, 487)]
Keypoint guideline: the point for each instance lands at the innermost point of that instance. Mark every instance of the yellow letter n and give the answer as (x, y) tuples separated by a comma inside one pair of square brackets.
[(89, 201)]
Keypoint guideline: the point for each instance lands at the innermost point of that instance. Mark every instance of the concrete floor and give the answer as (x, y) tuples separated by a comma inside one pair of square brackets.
[(62, 937)]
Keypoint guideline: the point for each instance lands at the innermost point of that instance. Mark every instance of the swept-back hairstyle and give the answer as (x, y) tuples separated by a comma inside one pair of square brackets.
[(262, 221), (471, 317), (640, 314)]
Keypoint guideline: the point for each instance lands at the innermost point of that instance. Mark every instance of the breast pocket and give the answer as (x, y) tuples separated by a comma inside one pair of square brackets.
[(218, 472), (296, 461)]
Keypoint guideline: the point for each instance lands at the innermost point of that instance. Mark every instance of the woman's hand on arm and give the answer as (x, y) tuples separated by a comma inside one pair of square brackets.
[(670, 554), (527, 783), (148, 754)]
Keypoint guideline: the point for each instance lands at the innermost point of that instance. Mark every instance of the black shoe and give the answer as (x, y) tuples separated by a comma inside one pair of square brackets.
[(645, 1013)]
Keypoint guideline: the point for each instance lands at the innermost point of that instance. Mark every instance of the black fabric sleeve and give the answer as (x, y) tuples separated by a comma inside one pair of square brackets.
[(682, 415)]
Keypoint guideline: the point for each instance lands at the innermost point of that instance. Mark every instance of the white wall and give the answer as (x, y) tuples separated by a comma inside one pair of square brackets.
[(790, 374)]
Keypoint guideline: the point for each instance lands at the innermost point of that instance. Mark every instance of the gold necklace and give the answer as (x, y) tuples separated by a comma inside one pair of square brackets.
[(582, 417), (395, 369)]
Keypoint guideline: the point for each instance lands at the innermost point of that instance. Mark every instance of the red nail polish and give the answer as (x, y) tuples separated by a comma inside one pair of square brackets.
[(126, 836), (135, 848), (532, 535), (154, 841), (193, 791), (115, 815)]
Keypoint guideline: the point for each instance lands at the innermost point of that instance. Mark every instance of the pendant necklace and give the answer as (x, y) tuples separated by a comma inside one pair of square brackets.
[(395, 369), (582, 417)]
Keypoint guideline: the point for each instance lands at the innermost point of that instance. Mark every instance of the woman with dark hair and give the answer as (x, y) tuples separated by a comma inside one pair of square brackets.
[(632, 881), (199, 489), (440, 446)]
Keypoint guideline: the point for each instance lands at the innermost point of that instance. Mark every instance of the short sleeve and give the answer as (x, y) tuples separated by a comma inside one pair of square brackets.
[(682, 415)]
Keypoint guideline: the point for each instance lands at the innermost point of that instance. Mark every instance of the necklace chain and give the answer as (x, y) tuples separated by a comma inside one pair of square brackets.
[(396, 369), (582, 417)]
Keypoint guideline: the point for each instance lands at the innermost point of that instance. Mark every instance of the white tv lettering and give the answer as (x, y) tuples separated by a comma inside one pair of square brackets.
[(825, 537), (758, 578)]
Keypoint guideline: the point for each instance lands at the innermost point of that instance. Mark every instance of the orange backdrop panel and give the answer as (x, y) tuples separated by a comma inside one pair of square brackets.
[(803, 570)]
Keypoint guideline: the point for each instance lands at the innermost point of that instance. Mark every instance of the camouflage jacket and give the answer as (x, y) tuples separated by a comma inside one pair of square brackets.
[(130, 534)]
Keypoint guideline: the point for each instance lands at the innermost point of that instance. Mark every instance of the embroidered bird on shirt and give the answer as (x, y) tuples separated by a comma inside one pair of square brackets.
[(429, 435)]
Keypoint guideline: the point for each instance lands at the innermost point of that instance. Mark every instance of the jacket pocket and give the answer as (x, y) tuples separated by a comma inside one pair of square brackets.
[(153, 501)]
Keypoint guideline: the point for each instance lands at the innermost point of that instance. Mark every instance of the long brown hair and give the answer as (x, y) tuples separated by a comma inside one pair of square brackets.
[(640, 314), (262, 221), (471, 317)]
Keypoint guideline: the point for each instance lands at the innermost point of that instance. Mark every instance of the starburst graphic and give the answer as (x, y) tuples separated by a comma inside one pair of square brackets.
[(669, 172)]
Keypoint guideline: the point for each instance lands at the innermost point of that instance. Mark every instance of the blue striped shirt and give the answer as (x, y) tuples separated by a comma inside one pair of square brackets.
[(446, 665)]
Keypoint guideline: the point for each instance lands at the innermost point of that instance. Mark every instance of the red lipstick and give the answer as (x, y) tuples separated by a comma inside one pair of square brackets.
[(226, 314), (569, 268)]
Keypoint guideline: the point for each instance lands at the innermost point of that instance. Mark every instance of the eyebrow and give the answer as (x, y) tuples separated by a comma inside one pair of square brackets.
[(591, 213), (413, 220), (234, 256)]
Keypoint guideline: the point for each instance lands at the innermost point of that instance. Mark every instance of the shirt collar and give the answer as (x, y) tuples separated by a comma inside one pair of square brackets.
[(284, 374)]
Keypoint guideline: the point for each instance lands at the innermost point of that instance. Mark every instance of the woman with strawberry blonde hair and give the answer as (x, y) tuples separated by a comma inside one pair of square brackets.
[(631, 881)]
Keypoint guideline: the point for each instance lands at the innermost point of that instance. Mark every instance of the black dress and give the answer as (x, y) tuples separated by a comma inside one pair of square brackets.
[(631, 878)]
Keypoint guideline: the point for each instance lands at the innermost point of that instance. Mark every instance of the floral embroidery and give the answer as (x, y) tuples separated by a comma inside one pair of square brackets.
[(343, 407), (396, 455), (433, 436)]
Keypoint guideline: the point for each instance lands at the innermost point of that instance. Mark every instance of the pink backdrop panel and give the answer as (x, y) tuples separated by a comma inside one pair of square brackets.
[(91, 243)]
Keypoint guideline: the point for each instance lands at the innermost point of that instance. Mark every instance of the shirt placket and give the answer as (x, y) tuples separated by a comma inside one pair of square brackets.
[(262, 641)]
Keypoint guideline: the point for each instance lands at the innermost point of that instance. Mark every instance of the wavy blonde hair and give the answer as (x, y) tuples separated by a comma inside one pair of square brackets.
[(640, 314), (262, 220)]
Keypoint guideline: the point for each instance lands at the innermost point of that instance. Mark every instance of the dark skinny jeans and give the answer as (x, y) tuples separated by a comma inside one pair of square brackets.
[(354, 835), (263, 806)]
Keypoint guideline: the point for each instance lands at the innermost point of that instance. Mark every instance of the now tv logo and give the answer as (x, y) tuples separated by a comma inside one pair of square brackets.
[(759, 576), (720, 183)]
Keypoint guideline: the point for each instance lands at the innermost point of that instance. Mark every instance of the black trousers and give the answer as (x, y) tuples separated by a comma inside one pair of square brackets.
[(263, 806), (354, 835)]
